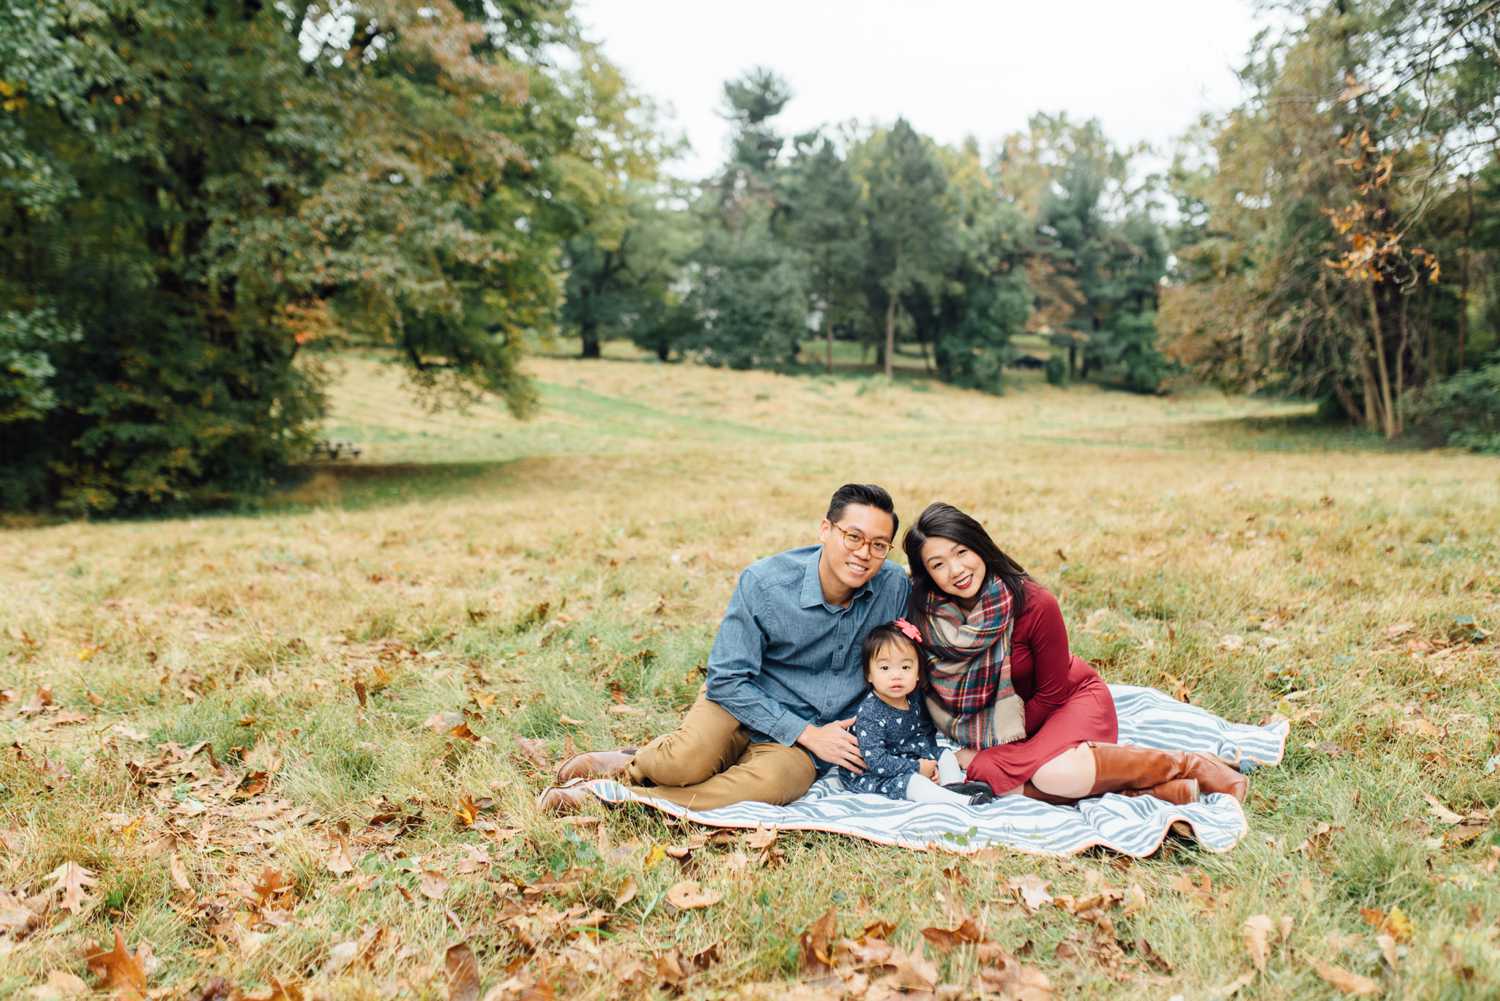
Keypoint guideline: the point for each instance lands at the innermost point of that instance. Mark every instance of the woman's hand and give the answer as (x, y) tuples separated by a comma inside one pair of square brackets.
[(834, 744), (928, 768)]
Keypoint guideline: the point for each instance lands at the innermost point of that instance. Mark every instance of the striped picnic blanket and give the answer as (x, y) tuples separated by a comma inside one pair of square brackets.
[(1129, 825)]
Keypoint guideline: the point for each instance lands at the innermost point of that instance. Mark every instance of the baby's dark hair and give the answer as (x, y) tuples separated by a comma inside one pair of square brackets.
[(883, 636)]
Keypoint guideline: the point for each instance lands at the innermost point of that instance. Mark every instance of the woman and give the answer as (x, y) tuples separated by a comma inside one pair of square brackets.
[(1032, 717)]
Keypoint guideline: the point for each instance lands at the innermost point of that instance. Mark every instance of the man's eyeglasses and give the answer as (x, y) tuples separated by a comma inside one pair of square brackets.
[(855, 540)]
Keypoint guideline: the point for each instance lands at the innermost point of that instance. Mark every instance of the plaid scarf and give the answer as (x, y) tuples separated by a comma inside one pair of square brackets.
[(970, 694)]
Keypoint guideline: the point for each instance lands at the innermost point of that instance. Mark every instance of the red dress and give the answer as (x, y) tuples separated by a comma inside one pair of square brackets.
[(1067, 703)]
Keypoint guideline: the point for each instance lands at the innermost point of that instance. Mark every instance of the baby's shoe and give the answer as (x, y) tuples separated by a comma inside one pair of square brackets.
[(979, 793)]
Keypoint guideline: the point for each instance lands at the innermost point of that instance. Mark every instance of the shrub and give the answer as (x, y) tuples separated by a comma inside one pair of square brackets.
[(1463, 410), (1057, 370)]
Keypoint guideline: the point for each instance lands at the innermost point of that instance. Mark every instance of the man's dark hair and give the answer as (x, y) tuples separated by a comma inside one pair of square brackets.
[(863, 493)]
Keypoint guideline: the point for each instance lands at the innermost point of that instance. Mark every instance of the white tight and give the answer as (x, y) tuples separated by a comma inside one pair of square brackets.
[(922, 789)]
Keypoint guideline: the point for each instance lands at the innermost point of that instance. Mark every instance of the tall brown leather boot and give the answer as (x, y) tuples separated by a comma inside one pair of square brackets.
[(1118, 767)]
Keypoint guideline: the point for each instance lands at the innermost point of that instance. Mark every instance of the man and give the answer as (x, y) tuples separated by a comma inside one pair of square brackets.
[(784, 674)]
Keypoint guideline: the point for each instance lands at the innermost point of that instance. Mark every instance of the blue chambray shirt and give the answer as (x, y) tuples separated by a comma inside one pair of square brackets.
[(784, 658)]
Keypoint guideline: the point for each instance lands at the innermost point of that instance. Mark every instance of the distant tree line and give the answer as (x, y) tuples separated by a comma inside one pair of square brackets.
[(198, 201), (882, 237)]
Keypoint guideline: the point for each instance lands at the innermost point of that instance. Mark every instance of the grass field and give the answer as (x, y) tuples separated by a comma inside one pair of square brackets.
[(298, 749)]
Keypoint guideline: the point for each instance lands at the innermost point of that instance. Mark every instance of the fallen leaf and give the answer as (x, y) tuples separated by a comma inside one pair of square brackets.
[(119, 970), (361, 693), (1135, 900), (673, 967), (38, 702), (627, 891), (1441, 812), (947, 939), (761, 838), (15, 916), (816, 943), (1387, 948), (269, 885), (443, 721), (434, 885), (1153, 958), (1349, 983), (467, 811), (463, 972), (340, 955), (340, 860), (477, 859), (462, 732), (1256, 930), (72, 881), (688, 895), (60, 984), (654, 855), (914, 971), (535, 751), (1003, 974), (1319, 837), (1031, 890), (180, 874)]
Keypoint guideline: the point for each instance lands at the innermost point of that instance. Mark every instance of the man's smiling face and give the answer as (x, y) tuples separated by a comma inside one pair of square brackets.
[(849, 544)]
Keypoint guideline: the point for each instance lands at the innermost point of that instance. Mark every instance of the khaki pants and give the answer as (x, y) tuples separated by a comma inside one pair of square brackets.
[(708, 761)]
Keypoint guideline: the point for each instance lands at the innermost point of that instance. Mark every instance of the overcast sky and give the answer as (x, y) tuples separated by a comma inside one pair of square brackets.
[(1146, 68)]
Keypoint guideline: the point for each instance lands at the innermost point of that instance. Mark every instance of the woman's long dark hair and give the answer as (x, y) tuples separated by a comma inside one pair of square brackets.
[(944, 521)]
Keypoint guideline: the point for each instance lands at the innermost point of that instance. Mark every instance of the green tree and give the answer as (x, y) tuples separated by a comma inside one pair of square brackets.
[(825, 221), (909, 221), (985, 298), (748, 302), (749, 299), (200, 197), (632, 285)]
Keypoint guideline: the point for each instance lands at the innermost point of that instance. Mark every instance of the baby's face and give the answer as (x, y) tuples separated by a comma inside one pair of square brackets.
[(893, 670)]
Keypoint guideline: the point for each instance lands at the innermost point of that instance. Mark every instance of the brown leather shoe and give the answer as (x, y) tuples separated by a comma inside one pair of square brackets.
[(564, 799), (1180, 792), (595, 765)]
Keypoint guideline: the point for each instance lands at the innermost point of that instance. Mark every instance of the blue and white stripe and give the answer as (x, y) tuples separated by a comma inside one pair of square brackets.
[(1129, 825)]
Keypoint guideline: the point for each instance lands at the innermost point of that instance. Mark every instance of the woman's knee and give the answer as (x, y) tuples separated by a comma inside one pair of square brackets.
[(1070, 773)]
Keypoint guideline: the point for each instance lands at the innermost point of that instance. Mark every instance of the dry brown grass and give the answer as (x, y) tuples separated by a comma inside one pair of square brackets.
[(1220, 545)]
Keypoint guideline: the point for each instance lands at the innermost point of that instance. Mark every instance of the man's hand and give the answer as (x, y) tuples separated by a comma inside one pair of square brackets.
[(834, 744), (928, 768)]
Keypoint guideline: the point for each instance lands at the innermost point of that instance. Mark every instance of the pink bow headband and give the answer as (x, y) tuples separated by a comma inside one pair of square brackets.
[(908, 630)]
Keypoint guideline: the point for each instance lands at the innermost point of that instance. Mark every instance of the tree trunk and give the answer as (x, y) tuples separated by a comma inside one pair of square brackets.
[(589, 331), (1463, 276), (828, 329), (890, 338), (1387, 410), (1367, 382)]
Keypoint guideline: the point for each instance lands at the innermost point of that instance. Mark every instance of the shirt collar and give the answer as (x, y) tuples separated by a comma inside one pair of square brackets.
[(812, 587)]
